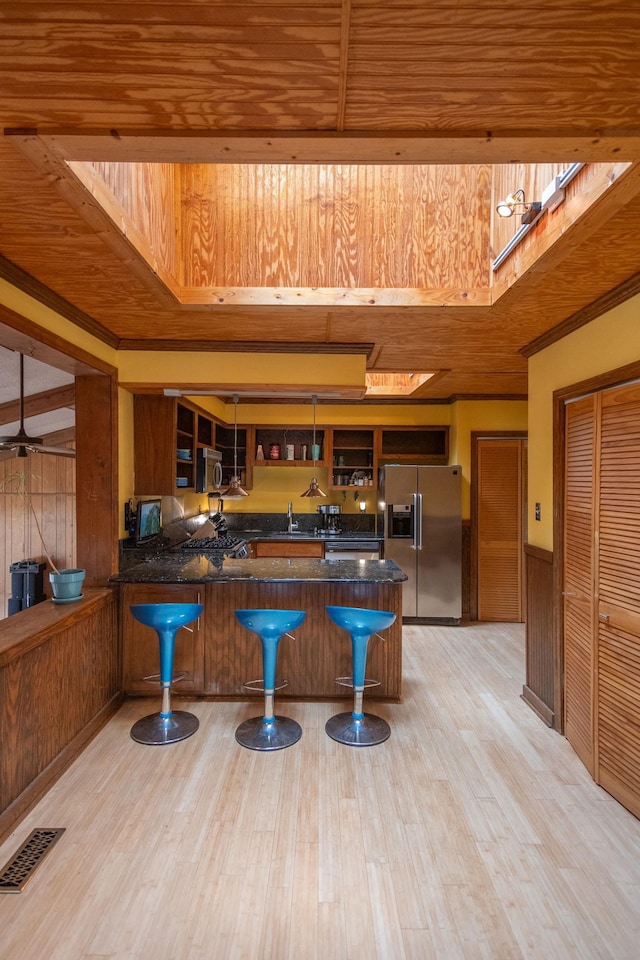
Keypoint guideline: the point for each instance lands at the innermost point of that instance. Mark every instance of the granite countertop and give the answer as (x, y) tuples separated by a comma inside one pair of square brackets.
[(253, 535), (201, 567)]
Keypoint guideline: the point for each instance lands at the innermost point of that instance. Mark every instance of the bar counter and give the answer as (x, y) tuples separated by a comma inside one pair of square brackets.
[(220, 655), (202, 567)]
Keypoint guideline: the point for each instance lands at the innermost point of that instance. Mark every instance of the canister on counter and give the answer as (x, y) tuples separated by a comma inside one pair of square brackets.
[(274, 451)]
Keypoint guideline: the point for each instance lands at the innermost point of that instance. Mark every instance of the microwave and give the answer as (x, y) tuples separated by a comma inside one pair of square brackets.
[(208, 470)]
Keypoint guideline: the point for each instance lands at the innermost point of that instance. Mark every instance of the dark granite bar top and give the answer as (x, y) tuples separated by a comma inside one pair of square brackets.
[(202, 567), (254, 535)]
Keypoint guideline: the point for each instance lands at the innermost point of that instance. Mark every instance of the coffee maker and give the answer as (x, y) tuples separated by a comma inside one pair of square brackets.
[(330, 518)]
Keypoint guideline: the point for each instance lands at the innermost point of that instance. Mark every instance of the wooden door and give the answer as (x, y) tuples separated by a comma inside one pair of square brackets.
[(617, 635), (500, 501), (579, 575)]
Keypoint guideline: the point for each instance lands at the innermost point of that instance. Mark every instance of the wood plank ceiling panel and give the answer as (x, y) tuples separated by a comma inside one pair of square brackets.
[(455, 71)]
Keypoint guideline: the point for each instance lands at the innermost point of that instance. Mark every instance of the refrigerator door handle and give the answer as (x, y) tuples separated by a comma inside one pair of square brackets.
[(417, 521)]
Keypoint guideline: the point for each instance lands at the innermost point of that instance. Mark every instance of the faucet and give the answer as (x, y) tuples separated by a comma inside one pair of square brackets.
[(291, 523)]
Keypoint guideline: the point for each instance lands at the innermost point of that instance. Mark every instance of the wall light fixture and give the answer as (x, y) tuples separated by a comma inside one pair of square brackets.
[(517, 203)]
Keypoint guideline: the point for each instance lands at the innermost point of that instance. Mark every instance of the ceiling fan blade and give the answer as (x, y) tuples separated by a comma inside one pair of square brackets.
[(56, 451), (21, 442)]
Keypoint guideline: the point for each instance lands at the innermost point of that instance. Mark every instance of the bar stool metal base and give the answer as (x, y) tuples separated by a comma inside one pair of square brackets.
[(365, 732), (155, 729), (260, 734)]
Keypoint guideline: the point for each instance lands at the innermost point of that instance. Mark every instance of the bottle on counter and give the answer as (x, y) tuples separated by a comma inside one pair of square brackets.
[(259, 452)]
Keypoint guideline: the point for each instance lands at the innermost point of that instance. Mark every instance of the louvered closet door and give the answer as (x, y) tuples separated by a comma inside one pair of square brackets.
[(500, 530), (579, 575), (618, 636)]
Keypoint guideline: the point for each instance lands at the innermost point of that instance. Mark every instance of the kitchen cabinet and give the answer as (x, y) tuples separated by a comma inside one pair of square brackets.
[(140, 649), (353, 457), (167, 434), (300, 438), (413, 445), (225, 443), (287, 548)]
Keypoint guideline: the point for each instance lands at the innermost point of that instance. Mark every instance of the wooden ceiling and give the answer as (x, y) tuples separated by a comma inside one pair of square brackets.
[(357, 82)]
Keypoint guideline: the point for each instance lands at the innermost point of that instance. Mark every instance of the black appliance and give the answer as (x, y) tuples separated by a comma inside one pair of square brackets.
[(330, 514), (26, 585)]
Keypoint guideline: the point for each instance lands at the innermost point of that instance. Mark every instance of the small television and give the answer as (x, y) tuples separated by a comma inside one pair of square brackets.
[(148, 520)]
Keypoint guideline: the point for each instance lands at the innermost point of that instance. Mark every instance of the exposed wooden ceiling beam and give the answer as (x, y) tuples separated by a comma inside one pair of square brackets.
[(479, 146), (38, 403)]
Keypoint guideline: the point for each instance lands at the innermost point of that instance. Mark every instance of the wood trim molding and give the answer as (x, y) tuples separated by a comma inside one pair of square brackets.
[(34, 288), (538, 552), (237, 346), (621, 293), (440, 146)]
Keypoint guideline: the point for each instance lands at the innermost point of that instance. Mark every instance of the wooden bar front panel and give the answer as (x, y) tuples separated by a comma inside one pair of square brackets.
[(231, 655), (320, 652)]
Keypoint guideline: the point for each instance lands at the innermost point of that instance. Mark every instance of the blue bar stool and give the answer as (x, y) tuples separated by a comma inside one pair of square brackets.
[(269, 732), (167, 726), (358, 729)]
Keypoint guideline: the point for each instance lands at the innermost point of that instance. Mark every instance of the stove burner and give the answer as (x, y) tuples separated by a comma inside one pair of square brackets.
[(231, 546)]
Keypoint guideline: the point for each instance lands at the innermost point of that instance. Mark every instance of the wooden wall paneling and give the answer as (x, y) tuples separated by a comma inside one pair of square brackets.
[(539, 688), (59, 682), (48, 482), (97, 503), (580, 575)]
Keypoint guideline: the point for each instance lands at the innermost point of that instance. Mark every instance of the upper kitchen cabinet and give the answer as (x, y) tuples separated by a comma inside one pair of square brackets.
[(353, 457), (288, 446), (167, 433), (234, 455), (413, 445)]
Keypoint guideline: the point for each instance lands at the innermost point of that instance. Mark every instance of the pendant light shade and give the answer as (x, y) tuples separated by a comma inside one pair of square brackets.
[(313, 490), (235, 490)]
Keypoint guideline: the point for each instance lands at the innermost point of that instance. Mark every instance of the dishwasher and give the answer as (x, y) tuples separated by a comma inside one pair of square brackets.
[(352, 550)]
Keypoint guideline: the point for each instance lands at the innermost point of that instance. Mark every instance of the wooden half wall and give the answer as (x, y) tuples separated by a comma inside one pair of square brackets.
[(540, 689)]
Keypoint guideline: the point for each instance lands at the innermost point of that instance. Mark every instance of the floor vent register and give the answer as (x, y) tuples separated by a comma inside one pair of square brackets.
[(17, 872)]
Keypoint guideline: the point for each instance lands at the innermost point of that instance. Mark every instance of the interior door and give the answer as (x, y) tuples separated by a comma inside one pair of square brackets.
[(617, 647), (500, 495), (579, 575)]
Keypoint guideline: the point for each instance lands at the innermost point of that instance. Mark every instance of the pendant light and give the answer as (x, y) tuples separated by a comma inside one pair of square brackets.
[(313, 490), (235, 490)]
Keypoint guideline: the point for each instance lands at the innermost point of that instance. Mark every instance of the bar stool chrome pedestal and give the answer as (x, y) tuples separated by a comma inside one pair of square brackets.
[(269, 732), (359, 729), (167, 726)]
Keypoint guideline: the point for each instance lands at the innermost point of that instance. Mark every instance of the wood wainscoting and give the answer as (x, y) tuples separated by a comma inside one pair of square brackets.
[(540, 687), (59, 683)]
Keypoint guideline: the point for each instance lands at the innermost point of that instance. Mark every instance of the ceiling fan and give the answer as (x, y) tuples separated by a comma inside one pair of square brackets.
[(21, 442)]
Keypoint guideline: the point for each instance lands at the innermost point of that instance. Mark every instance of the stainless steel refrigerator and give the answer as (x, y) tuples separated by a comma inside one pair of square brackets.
[(420, 516)]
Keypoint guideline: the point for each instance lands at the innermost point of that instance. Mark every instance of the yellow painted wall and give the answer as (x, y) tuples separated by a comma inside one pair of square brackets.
[(611, 341), (37, 312), (266, 369), (480, 416), (272, 488)]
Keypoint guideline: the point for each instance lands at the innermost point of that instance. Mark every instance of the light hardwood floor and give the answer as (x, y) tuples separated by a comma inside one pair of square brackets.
[(473, 832)]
